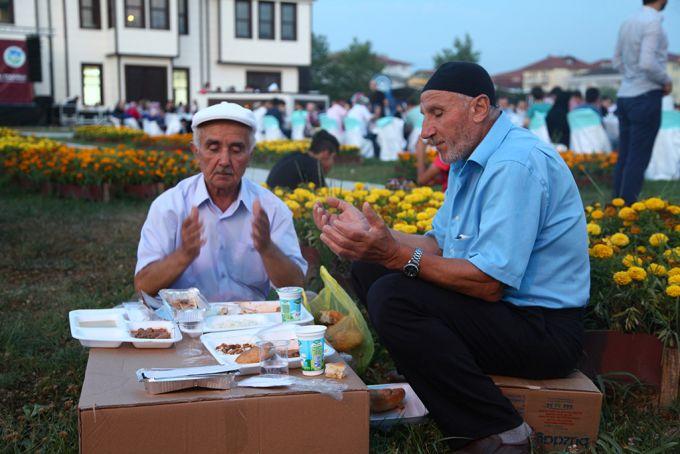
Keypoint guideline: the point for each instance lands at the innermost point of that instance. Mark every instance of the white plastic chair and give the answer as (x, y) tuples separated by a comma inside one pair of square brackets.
[(539, 127), (354, 137), (298, 120), (272, 130), (131, 122), (665, 161), (115, 121), (390, 131), (151, 128), (172, 124), (331, 125), (587, 135)]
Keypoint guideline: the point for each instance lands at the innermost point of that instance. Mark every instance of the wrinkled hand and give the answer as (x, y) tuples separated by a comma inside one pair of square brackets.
[(192, 232), (367, 239), (261, 232), (348, 213)]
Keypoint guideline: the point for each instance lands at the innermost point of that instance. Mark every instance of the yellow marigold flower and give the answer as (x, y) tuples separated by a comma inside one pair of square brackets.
[(358, 186), (641, 249), (619, 239), (618, 202), (658, 239), (630, 260), (675, 271), (673, 291), (278, 192), (655, 203), (627, 214), (674, 279), (394, 199), (677, 228), (597, 214), (638, 206), (656, 269), (311, 185), (601, 251), (589, 209), (637, 274), (622, 278), (673, 209), (593, 229)]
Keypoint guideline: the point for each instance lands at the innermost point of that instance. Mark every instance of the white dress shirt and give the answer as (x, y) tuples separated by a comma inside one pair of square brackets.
[(228, 267), (642, 53)]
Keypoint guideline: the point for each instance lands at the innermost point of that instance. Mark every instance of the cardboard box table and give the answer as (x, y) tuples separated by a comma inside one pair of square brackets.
[(116, 414)]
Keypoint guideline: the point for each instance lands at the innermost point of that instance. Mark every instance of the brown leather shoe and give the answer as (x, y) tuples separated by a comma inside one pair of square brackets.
[(494, 445)]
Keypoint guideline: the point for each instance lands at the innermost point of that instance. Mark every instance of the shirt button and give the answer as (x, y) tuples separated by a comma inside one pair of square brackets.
[(456, 218)]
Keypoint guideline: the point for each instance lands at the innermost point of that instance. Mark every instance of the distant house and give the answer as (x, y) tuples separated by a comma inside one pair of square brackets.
[(419, 78), (397, 70)]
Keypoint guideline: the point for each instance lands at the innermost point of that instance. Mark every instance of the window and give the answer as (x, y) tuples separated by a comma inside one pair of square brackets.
[(180, 86), (243, 19), (7, 11), (90, 16), (93, 94), (134, 13), (160, 14), (265, 16), (111, 10), (262, 80), (183, 17), (289, 21)]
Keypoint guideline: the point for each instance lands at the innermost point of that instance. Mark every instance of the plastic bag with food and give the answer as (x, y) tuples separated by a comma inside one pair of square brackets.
[(347, 330)]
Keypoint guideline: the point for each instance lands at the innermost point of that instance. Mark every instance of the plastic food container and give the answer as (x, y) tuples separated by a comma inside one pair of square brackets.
[(291, 303), (179, 299), (413, 411), (311, 340), (175, 334)]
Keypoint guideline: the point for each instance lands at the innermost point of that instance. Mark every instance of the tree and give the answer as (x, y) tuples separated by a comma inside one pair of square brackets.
[(462, 51), (343, 73)]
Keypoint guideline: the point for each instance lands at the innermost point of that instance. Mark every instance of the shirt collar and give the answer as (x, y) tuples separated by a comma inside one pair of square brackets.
[(491, 140), (245, 195), (652, 11)]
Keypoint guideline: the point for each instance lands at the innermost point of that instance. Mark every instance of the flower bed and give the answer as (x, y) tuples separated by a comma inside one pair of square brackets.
[(106, 133)]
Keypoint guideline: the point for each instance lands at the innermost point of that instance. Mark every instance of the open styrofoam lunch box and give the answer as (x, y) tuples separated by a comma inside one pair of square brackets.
[(108, 328), (412, 412)]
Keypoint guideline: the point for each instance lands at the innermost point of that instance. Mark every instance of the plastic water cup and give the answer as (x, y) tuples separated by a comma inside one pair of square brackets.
[(312, 342), (291, 303), (273, 357)]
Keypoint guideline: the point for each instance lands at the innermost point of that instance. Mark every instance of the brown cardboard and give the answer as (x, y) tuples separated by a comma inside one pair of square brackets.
[(115, 414), (562, 413)]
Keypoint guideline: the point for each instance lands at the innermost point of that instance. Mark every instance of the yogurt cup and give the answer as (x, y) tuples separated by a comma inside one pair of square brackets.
[(291, 303), (311, 341)]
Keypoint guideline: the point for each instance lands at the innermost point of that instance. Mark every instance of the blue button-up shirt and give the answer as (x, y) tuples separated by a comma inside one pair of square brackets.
[(513, 210), (228, 267)]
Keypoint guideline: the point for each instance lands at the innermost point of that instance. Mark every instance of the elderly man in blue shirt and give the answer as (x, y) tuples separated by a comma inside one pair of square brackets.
[(497, 286), (218, 231)]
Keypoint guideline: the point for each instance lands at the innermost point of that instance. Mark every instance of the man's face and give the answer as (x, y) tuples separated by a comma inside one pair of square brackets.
[(326, 160), (223, 154), (447, 125)]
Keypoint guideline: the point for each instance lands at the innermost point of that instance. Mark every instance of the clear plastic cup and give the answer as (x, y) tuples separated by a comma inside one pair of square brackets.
[(273, 357), (291, 303), (312, 343), (191, 323)]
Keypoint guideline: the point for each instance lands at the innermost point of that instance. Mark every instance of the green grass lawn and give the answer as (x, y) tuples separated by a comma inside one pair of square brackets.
[(59, 255)]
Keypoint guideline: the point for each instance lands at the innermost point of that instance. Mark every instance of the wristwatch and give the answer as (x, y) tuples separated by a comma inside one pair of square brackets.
[(412, 267)]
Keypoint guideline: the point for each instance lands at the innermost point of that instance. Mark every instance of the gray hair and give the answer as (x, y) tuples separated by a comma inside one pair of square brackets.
[(197, 140)]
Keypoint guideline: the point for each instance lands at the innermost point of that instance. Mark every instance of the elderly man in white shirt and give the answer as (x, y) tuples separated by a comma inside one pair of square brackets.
[(218, 231)]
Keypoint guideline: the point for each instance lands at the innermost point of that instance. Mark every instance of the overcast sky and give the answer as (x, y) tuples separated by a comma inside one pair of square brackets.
[(509, 33)]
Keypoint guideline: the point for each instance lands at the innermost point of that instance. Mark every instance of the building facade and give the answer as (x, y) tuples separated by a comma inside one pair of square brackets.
[(104, 51)]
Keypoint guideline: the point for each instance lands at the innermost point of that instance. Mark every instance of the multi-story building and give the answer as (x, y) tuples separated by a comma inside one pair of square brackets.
[(103, 51)]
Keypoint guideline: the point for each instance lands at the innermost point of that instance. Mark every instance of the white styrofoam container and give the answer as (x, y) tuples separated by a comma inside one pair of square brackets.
[(213, 323), (175, 334)]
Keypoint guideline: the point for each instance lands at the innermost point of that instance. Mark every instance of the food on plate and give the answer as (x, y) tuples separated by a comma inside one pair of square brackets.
[(330, 317), (260, 307), (181, 304), (252, 355), (386, 399), (336, 370), (233, 349), (344, 335), (235, 323), (150, 333)]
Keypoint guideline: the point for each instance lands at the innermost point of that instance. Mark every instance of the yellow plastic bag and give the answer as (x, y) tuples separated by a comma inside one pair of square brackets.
[(350, 334)]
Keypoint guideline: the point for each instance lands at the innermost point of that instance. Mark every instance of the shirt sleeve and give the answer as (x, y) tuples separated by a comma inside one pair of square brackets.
[(512, 209), (648, 50), (284, 236), (157, 239)]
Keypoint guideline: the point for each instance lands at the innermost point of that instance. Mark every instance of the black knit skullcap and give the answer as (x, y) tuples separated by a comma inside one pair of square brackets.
[(462, 77)]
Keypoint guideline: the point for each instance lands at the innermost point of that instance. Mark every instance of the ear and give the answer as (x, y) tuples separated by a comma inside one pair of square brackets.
[(480, 107), (193, 147)]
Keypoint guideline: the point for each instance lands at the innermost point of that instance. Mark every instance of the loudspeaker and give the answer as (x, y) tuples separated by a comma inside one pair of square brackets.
[(34, 58)]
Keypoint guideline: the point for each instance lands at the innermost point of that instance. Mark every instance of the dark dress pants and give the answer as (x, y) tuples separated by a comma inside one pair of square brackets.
[(639, 122), (446, 344)]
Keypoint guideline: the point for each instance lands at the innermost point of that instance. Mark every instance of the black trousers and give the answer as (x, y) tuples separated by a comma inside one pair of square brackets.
[(446, 344)]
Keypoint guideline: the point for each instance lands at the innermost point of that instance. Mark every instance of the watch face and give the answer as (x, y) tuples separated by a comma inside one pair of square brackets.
[(411, 269)]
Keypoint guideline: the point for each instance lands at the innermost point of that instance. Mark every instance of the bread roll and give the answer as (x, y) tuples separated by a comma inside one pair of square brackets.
[(386, 399)]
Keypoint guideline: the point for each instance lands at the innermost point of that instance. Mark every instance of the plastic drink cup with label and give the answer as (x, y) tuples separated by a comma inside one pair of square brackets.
[(291, 303), (312, 342)]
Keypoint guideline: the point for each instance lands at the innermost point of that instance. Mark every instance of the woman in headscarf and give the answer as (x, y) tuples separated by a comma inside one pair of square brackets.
[(558, 128)]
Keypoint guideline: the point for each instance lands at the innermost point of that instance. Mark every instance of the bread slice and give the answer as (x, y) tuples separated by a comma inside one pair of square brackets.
[(336, 370)]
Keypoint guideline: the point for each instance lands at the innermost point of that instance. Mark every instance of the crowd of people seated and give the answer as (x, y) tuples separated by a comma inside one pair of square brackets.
[(154, 118)]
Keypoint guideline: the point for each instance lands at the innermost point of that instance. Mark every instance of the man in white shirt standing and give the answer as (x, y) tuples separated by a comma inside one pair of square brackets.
[(641, 56), (218, 231)]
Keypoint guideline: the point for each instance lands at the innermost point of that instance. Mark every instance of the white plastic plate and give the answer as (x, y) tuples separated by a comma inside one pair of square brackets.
[(413, 412), (212, 340), (214, 323)]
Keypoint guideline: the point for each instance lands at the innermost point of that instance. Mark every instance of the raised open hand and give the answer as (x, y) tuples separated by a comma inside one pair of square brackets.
[(261, 232), (192, 231)]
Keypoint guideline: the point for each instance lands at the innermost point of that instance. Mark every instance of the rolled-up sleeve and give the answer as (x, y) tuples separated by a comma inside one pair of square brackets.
[(283, 235), (157, 239), (512, 210)]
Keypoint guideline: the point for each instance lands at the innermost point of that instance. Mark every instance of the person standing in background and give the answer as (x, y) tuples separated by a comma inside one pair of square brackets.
[(641, 56)]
